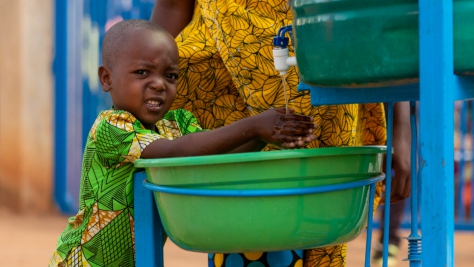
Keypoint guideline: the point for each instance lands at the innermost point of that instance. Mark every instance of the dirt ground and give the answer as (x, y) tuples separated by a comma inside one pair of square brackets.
[(27, 241)]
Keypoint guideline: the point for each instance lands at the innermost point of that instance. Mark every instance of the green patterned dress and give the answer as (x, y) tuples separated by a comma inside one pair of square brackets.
[(102, 232)]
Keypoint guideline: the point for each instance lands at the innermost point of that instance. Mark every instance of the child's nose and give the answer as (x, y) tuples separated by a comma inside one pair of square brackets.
[(158, 84)]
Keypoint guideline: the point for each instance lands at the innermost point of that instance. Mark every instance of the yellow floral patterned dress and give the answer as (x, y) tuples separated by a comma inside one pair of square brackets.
[(227, 73)]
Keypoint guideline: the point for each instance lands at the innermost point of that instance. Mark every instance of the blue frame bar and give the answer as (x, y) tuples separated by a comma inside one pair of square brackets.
[(262, 192), (437, 131), (337, 95), (149, 238), (464, 89)]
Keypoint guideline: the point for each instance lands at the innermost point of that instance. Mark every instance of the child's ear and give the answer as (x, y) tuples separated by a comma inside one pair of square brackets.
[(104, 77)]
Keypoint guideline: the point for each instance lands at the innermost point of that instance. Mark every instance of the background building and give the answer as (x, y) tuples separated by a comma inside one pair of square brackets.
[(26, 105)]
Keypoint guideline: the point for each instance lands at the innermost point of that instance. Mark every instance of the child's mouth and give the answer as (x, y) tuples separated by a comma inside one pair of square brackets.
[(154, 104)]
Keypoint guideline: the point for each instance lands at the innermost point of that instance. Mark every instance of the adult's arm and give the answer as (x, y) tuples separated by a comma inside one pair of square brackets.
[(401, 143), (173, 15)]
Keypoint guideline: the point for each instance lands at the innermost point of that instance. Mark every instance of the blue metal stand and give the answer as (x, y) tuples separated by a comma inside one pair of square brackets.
[(368, 240), (414, 240), (438, 89), (149, 238), (437, 86), (389, 95)]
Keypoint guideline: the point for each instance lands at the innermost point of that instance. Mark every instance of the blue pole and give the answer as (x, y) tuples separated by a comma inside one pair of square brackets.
[(471, 110), (388, 182), (368, 239), (437, 131), (149, 238), (414, 240), (60, 99)]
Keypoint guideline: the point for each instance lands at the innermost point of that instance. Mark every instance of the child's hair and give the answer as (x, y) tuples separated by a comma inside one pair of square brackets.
[(116, 38)]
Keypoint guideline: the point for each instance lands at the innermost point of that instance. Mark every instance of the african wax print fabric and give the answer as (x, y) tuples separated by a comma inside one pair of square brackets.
[(102, 232), (227, 73)]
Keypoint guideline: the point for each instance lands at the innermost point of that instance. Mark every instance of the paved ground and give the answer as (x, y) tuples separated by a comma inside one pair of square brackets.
[(27, 241)]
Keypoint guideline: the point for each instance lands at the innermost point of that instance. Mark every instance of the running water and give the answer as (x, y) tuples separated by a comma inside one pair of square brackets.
[(283, 81)]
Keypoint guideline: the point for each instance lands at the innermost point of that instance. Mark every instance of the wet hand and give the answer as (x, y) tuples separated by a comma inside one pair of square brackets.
[(290, 130)]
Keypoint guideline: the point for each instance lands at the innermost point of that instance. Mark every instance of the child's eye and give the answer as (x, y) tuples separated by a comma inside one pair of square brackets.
[(141, 72), (172, 76)]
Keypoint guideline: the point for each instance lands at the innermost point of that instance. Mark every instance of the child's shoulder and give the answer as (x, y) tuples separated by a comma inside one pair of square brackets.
[(115, 117), (108, 120), (178, 114)]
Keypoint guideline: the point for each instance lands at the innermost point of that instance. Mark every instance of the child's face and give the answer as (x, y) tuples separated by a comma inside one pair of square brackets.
[(143, 78)]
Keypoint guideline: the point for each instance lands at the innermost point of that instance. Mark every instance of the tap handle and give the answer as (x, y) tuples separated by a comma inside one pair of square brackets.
[(280, 40)]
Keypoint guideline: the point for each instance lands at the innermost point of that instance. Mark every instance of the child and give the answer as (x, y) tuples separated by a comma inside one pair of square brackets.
[(140, 70)]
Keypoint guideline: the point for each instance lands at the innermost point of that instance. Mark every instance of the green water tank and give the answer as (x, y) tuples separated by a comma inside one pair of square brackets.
[(365, 43)]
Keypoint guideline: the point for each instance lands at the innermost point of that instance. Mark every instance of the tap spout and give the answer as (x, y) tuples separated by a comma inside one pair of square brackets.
[(282, 60)]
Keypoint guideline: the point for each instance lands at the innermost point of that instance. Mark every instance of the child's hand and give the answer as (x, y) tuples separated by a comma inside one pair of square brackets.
[(289, 130)]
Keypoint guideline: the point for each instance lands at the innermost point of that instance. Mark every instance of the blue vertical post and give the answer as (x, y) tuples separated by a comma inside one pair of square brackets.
[(471, 183), (414, 240), (388, 182), (370, 215), (148, 228), (60, 84), (62, 78), (437, 131)]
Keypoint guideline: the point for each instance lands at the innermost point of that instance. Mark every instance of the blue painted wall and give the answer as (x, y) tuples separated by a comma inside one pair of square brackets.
[(80, 28)]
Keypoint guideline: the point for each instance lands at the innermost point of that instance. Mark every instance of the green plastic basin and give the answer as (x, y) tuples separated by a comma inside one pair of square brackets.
[(364, 43), (228, 224)]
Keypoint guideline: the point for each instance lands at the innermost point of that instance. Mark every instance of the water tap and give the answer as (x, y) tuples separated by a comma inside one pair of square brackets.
[(281, 58)]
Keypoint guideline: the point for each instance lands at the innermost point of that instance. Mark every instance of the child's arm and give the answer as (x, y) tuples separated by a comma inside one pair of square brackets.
[(271, 126), (254, 145)]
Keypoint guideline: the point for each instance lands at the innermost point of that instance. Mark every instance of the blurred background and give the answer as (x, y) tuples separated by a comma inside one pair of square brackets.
[(49, 98), (50, 95)]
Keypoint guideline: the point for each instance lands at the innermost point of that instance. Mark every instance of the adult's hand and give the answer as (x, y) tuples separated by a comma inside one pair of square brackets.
[(401, 143)]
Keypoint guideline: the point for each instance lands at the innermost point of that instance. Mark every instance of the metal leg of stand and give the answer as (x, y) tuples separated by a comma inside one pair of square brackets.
[(148, 227), (414, 240), (368, 241), (388, 181)]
